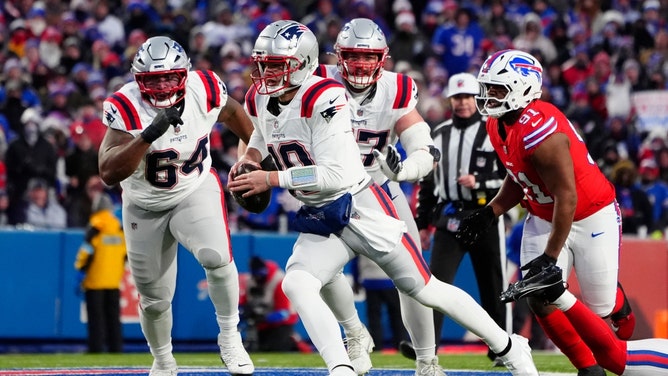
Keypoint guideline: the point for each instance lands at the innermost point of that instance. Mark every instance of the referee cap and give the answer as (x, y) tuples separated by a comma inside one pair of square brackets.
[(463, 83)]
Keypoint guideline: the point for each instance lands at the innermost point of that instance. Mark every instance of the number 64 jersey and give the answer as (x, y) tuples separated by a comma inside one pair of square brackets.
[(538, 121), (178, 162)]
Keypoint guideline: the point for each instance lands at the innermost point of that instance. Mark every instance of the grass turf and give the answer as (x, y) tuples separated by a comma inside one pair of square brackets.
[(545, 361)]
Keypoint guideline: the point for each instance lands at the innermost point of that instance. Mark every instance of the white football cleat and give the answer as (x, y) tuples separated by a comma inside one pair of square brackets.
[(428, 368), (359, 345), (234, 356), (164, 369), (518, 360)]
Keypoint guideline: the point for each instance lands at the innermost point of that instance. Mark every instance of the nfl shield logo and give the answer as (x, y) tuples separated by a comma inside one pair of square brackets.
[(360, 112)]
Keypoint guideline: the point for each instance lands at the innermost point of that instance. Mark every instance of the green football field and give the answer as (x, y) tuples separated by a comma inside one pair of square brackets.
[(546, 362)]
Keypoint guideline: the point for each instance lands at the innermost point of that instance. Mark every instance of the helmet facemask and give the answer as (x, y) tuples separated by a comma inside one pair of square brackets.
[(360, 74), (173, 93), (273, 84)]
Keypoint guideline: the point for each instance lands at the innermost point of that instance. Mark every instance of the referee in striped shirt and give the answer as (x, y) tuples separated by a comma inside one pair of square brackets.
[(468, 175)]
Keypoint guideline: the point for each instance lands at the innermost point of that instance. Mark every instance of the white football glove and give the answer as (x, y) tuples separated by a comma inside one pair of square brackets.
[(390, 163)]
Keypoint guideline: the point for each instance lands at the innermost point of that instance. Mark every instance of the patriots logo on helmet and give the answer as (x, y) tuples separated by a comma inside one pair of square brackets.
[(329, 113), (294, 31), (525, 66)]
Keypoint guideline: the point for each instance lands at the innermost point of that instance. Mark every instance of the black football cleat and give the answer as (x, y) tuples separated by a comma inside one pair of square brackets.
[(406, 349), (592, 371), (548, 285)]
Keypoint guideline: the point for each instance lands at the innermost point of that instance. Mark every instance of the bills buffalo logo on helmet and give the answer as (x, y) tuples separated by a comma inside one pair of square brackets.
[(525, 66)]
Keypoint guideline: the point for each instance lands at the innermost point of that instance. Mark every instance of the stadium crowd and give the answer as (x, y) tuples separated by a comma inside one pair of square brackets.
[(60, 59)]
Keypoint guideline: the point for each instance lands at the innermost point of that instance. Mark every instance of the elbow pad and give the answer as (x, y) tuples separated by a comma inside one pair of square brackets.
[(420, 150)]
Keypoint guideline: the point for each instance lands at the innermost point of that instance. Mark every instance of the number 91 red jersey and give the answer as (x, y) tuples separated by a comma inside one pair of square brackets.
[(538, 121)]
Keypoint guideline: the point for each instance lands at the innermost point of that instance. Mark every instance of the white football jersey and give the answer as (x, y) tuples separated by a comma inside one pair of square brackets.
[(373, 120), (178, 161), (313, 129)]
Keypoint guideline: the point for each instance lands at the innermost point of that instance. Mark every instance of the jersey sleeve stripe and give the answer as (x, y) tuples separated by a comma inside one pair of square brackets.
[(212, 90), (320, 71), (534, 138), (312, 94), (127, 110), (404, 86), (251, 105)]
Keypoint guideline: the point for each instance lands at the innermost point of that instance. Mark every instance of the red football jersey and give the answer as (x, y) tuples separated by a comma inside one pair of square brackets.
[(538, 121)]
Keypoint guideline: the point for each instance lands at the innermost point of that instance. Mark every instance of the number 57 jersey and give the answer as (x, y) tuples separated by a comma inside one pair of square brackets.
[(178, 161), (538, 122)]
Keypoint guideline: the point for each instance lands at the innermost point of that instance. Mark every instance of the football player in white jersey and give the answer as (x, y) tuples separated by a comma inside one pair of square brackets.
[(157, 147), (382, 109), (303, 122)]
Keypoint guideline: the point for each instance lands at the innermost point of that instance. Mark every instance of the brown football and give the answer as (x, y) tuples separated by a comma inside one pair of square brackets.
[(255, 203)]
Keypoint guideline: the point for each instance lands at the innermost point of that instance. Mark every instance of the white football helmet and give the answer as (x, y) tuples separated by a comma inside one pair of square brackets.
[(161, 56), (519, 72), (284, 42), (361, 35)]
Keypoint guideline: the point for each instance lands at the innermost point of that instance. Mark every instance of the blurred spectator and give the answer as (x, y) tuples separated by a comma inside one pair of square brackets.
[(657, 193), (609, 156), (108, 25), (29, 156), (633, 203), (140, 15), (656, 140), (318, 16), (618, 96), (652, 16), (458, 44), (18, 36), (620, 134), (555, 87), (408, 42), (100, 263), (40, 209), (80, 168), (531, 38), (497, 22), (267, 311), (49, 48), (578, 68), (72, 54), (223, 28), (15, 97)]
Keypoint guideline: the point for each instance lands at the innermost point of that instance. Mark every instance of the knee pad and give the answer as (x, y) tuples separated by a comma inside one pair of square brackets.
[(155, 309), (209, 258), (298, 281), (222, 273)]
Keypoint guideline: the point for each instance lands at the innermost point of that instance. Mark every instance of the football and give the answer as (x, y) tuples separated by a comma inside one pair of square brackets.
[(255, 203)]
